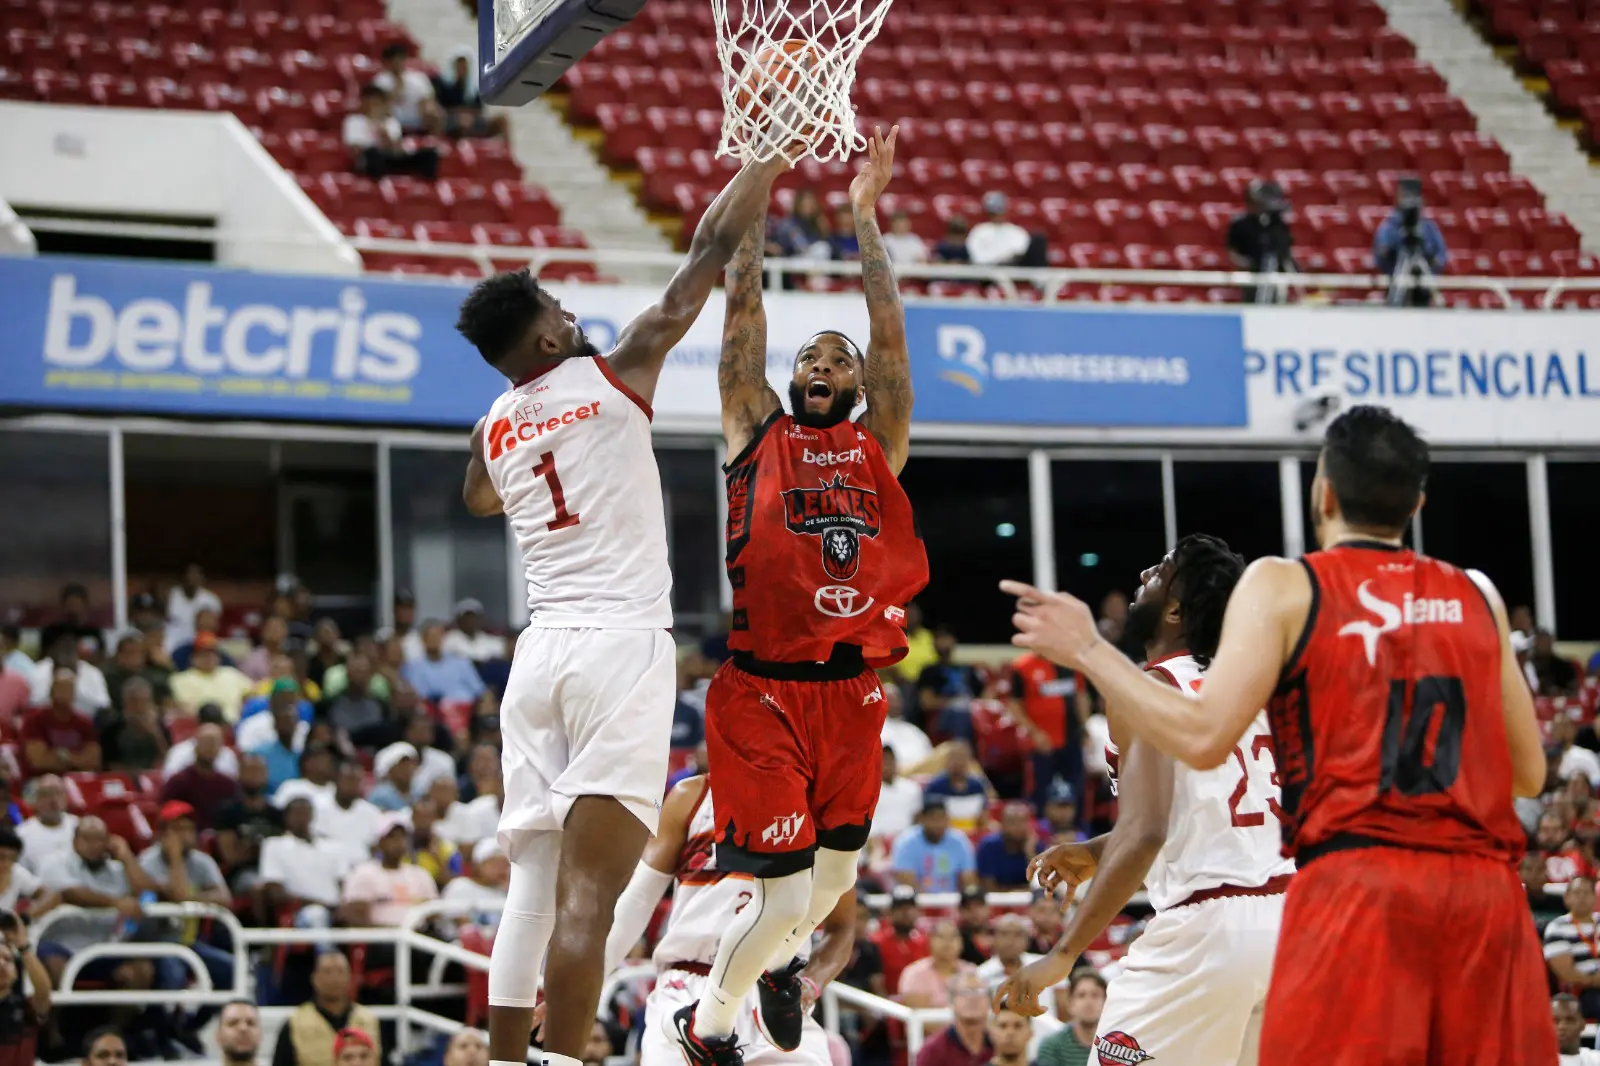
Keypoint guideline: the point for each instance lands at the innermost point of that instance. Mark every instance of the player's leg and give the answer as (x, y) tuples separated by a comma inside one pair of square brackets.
[(518, 954), (1253, 924)]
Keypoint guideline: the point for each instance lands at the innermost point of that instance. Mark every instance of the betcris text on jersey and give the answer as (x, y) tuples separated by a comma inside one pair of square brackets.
[(201, 341)]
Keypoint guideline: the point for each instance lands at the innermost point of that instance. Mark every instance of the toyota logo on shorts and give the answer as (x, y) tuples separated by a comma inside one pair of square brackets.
[(839, 601)]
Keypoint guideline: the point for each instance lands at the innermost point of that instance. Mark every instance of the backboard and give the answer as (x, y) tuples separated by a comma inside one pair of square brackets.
[(524, 46)]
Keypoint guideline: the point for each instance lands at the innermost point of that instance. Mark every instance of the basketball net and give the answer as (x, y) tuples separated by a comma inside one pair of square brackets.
[(763, 117)]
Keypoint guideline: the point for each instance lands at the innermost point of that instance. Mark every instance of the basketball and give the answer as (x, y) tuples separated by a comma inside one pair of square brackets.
[(778, 70)]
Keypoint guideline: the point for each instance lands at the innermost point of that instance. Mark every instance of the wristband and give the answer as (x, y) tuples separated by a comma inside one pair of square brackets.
[(811, 986)]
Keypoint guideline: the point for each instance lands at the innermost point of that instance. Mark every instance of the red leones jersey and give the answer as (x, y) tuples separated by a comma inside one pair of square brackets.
[(822, 548), (1388, 721)]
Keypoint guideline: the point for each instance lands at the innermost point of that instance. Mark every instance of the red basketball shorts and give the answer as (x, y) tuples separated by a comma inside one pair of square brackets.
[(1392, 957), (795, 765)]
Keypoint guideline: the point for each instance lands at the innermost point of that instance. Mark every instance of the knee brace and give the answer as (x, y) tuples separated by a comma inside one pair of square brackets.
[(529, 918)]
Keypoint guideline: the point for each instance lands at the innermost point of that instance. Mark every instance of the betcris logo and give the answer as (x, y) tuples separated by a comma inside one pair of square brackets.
[(1044, 367), (131, 336)]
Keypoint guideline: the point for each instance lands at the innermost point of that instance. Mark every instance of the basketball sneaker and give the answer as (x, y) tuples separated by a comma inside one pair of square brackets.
[(700, 1051), (782, 1012)]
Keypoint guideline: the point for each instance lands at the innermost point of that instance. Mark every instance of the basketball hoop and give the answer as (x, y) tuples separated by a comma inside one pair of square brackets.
[(788, 68)]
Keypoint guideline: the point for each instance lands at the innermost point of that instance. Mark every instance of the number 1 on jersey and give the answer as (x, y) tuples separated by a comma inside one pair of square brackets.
[(546, 468)]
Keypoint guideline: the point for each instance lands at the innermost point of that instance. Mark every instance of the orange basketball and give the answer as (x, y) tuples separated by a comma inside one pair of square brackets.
[(777, 68)]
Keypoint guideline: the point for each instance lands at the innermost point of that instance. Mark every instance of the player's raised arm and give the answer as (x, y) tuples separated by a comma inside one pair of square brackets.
[(1528, 766), (478, 492), (747, 399), (888, 370), (645, 342), (1265, 615)]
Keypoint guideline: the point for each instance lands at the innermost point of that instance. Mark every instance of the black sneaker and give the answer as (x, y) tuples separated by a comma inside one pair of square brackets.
[(699, 1051), (782, 1014)]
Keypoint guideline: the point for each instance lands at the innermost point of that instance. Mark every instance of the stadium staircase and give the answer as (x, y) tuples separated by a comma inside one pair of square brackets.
[(1506, 109)]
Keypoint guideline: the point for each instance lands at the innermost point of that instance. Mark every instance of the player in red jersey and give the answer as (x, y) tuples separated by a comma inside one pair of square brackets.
[(1403, 728), (822, 556)]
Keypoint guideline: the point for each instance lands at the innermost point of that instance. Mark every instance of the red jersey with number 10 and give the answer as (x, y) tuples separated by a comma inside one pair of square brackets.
[(822, 547), (1388, 720)]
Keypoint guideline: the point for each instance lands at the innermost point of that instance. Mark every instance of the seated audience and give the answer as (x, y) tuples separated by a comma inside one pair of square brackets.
[(1071, 1045), (434, 747), (74, 624), (244, 823), (965, 1042), (200, 784), (899, 940), (1010, 951), (843, 241), (1061, 815), (439, 675), (931, 858), (206, 623), (486, 887), (180, 872), (239, 1033), (997, 241), (375, 141), (469, 639), (133, 660), (925, 982), (58, 738), (379, 892), (1569, 1023), (1570, 946), (12, 657), (1044, 921), (356, 707), (946, 689), (429, 850), (410, 90), (912, 748), (899, 800), (394, 767), (803, 232), (902, 244), (327, 651), (181, 755), (1003, 856), (972, 918), (456, 90), (134, 739), (282, 753), (21, 891), (89, 692), (346, 816), (1010, 1034), (952, 247), (99, 872), (1556, 674), (187, 599), (318, 768), (463, 824), (256, 728), (50, 831), (962, 786), (209, 680), (322, 1026), (274, 641), (300, 873)]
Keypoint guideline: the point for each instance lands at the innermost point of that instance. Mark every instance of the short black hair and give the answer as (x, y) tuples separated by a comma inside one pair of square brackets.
[(1204, 572), (211, 714), (96, 1035), (9, 839), (395, 48), (371, 89), (498, 312), (1564, 998), (1085, 973), (1377, 466)]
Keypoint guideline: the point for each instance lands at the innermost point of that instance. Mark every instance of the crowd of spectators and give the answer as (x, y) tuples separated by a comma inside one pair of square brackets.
[(404, 101)]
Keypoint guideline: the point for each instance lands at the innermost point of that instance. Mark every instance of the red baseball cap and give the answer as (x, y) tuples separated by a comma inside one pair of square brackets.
[(172, 810), (205, 641), (352, 1037)]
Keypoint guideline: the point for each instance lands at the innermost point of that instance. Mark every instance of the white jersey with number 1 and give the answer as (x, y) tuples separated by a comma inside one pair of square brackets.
[(588, 707)]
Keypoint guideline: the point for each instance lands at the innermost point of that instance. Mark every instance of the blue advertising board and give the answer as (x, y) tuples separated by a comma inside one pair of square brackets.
[(1077, 367)]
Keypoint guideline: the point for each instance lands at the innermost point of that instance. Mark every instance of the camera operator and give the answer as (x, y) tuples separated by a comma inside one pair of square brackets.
[(24, 994), (1409, 248), (1259, 241)]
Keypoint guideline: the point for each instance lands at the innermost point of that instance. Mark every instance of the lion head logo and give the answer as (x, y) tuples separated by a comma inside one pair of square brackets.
[(841, 552)]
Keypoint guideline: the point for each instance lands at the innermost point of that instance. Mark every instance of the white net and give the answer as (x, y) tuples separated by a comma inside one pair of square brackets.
[(787, 70), (514, 18)]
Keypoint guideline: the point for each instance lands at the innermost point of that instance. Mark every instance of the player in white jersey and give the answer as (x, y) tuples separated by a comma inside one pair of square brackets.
[(703, 901), (565, 453), (1205, 843)]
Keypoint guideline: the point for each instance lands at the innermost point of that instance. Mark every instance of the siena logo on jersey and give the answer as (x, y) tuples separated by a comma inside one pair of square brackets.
[(528, 424), (1412, 610)]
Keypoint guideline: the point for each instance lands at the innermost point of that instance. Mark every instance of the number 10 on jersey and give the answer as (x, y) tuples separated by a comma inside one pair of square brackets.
[(546, 468)]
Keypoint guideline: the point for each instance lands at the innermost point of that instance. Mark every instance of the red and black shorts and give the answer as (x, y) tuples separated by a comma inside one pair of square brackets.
[(796, 759)]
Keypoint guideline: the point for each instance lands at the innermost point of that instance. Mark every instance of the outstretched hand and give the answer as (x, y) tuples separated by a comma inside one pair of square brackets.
[(877, 170), (1057, 625)]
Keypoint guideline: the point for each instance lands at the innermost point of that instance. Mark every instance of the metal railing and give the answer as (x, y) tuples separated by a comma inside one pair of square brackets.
[(1047, 285)]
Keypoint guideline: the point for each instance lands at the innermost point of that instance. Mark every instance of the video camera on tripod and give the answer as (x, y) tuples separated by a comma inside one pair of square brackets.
[(1408, 282)]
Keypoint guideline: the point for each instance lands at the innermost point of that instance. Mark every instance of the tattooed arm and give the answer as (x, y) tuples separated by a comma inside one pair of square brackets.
[(888, 370), (747, 399)]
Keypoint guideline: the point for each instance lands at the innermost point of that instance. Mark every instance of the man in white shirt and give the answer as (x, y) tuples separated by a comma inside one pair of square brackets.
[(345, 816), (373, 136), (1574, 759), (463, 824), (181, 755), (996, 241), (1010, 951), (185, 601), (49, 832), (421, 731), (911, 745), (899, 800), (1569, 1021), (469, 639), (91, 694), (411, 92), (302, 871), (486, 887), (902, 244)]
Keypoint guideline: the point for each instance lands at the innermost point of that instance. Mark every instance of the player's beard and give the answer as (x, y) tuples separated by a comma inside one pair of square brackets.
[(1144, 619), (844, 401), (583, 348)]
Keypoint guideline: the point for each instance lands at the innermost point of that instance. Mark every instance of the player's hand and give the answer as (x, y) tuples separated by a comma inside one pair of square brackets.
[(876, 171), (1067, 865), (1020, 992), (1056, 625)]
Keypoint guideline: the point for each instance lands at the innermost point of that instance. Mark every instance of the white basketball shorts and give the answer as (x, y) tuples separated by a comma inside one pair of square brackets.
[(676, 989), (1194, 985), (587, 712)]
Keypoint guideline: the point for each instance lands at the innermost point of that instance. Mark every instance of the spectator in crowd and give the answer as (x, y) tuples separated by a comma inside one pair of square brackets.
[(925, 982), (966, 1041), (105, 1047), (1259, 240), (282, 753), (395, 767), (330, 1017), (911, 746), (439, 675), (1558, 675), (1545, 906), (900, 942), (145, 612), (299, 872), (435, 760), (483, 772), (1003, 856), (59, 739), (135, 739), (206, 622), (952, 247), (429, 850), (929, 857), (456, 90), (24, 994), (1009, 1034), (1061, 814), (328, 646), (920, 651), (100, 872), (258, 726), (600, 1047), (18, 884), (1570, 946), (962, 787), (186, 600), (379, 891), (902, 243), (1571, 758), (1563, 860), (1409, 248), (201, 785), (209, 680), (50, 831), (688, 716), (842, 241), (356, 708), (1569, 1023), (463, 824), (12, 657), (802, 233), (1070, 1045), (410, 91), (290, 666), (972, 919), (946, 689), (244, 823), (180, 873), (257, 665), (899, 800), (11, 812), (467, 1047), (89, 692), (373, 137), (353, 1047), (1052, 705), (132, 660), (469, 640), (346, 817), (15, 693), (74, 624), (338, 679), (405, 628), (997, 241), (1010, 951), (239, 1033), (1044, 922), (181, 755), (491, 877)]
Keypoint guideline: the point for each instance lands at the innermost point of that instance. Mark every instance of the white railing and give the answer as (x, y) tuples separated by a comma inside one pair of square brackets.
[(1052, 283)]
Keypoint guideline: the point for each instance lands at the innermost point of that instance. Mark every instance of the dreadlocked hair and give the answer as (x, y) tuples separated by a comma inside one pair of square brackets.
[(1205, 570)]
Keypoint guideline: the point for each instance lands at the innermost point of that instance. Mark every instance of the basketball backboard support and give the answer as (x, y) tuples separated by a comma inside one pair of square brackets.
[(524, 46)]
